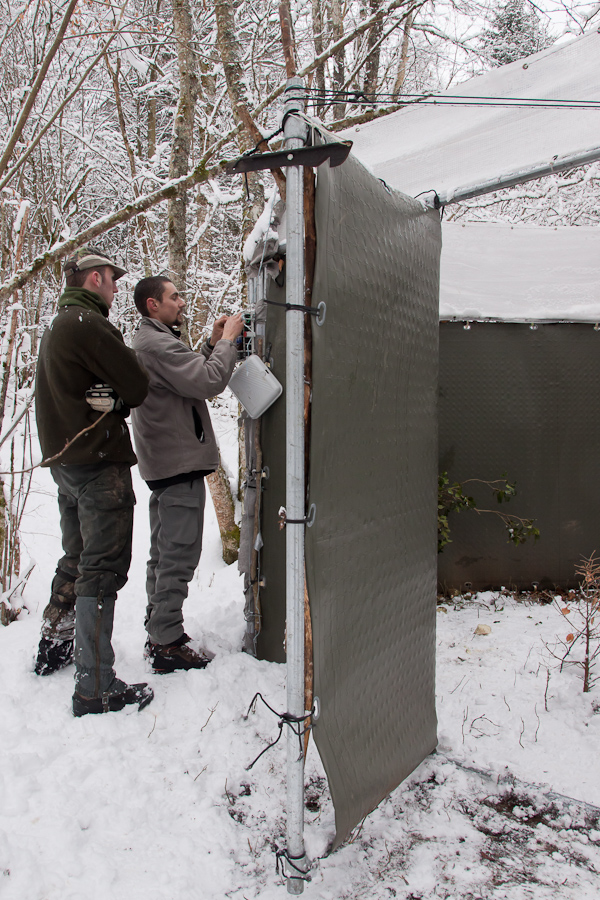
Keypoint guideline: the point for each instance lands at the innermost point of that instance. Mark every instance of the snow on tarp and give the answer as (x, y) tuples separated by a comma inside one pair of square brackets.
[(441, 148), (521, 272)]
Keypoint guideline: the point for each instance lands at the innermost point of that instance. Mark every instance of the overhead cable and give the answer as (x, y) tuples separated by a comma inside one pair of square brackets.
[(330, 97)]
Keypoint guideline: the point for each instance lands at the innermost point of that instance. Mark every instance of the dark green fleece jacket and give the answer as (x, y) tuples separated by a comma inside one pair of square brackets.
[(79, 348)]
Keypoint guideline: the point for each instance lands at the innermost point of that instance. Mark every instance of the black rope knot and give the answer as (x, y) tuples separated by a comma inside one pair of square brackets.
[(285, 718)]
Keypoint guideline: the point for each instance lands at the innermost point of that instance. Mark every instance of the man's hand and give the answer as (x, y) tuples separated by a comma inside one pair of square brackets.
[(102, 398), (233, 327), (217, 332)]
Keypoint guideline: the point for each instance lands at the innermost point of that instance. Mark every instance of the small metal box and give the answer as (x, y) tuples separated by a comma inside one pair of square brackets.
[(255, 386)]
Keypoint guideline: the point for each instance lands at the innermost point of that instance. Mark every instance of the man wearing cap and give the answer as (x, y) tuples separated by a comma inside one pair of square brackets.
[(176, 447), (86, 373)]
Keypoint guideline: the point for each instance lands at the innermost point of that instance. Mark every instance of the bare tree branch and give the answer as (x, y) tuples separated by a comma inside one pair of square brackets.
[(411, 8), (35, 88), (100, 226), (25, 156)]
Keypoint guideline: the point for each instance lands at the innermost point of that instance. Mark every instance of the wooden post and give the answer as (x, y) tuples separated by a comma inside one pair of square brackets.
[(310, 249)]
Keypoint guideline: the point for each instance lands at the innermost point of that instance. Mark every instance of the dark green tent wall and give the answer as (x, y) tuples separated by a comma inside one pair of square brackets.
[(520, 399)]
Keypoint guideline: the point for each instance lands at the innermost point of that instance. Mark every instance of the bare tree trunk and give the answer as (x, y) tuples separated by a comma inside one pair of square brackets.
[(181, 149), (152, 101), (336, 18), (231, 57), (400, 77), (152, 118), (5, 617), (140, 225), (10, 546), (373, 51), (7, 361), (225, 510), (287, 38), (317, 28)]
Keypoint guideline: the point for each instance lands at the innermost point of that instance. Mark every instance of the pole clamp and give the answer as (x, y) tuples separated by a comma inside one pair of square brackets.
[(308, 520), (283, 860), (309, 310)]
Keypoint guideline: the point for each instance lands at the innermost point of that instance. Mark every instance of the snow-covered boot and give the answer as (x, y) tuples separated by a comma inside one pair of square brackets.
[(56, 645)]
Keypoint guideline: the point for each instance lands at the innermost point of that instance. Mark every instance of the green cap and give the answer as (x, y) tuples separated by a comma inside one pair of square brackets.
[(88, 257)]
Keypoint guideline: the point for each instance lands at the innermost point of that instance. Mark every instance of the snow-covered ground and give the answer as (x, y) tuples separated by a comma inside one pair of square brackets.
[(159, 805)]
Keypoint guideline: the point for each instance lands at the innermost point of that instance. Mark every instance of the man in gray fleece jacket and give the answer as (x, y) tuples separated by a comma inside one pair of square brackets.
[(176, 448)]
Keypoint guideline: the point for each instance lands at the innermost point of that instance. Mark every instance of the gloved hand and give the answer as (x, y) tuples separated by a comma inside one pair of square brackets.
[(102, 398)]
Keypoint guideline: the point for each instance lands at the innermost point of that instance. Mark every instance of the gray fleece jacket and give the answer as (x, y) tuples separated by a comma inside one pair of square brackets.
[(172, 429)]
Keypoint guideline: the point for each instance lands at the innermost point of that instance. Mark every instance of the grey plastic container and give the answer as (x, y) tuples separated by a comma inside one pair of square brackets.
[(255, 386)]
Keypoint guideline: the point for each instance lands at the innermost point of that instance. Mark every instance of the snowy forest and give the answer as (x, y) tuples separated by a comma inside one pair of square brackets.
[(117, 119)]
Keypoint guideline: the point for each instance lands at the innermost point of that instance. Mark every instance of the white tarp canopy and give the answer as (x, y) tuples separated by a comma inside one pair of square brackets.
[(441, 148), (520, 272)]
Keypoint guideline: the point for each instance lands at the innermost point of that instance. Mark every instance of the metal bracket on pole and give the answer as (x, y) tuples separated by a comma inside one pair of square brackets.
[(295, 133), (336, 152)]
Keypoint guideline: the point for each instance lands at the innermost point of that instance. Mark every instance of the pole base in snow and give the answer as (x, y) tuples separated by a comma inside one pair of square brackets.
[(294, 869), (296, 873)]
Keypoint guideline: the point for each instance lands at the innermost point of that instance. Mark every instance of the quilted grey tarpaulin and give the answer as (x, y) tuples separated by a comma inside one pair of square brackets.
[(371, 553)]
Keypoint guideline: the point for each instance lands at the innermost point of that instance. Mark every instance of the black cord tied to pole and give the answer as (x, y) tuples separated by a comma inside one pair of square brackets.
[(286, 718), (264, 140), (309, 310), (281, 855), (436, 200)]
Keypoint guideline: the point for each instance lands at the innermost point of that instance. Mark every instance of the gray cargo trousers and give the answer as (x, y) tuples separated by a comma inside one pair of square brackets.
[(176, 525), (96, 518)]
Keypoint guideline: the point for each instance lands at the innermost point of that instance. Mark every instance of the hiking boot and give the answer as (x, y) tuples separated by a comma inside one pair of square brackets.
[(141, 694), (181, 654), (57, 641), (53, 655)]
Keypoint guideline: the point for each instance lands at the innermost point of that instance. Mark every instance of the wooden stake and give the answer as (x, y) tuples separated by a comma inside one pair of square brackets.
[(310, 250)]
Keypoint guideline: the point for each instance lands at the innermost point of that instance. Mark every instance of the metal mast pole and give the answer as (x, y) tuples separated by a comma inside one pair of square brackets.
[(294, 132)]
